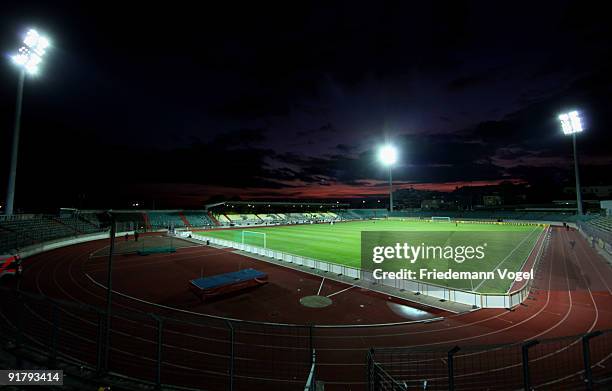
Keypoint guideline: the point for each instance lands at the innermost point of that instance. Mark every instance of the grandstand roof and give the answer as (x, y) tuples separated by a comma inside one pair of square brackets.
[(278, 203)]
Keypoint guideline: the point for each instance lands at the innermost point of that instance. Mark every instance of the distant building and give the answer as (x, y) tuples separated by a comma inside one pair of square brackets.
[(432, 204), (491, 201), (410, 198), (607, 207), (590, 191)]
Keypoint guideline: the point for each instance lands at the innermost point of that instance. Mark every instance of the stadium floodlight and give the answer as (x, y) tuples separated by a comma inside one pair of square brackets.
[(571, 125), (28, 59), (570, 122), (388, 156), (30, 55)]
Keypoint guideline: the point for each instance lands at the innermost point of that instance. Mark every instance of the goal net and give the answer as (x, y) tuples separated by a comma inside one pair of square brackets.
[(254, 238), (443, 219)]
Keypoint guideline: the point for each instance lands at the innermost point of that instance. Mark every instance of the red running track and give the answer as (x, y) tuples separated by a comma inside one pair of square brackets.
[(572, 295)]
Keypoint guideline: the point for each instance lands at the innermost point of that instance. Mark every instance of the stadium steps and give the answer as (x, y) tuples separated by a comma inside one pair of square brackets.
[(603, 223), (213, 219), (228, 219), (185, 221), (89, 223), (59, 221), (20, 234), (147, 222)]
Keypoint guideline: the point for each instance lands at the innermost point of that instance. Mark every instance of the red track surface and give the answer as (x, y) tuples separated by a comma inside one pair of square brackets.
[(572, 295), (165, 280)]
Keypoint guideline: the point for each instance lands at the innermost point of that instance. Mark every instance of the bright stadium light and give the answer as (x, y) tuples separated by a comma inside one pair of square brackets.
[(571, 125), (29, 56), (388, 157), (570, 122), (28, 59)]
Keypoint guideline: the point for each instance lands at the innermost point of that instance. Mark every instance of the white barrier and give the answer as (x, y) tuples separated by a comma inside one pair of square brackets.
[(475, 299)]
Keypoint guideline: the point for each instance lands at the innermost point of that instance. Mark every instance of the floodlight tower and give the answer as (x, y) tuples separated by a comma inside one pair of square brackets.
[(571, 124), (28, 58), (388, 157)]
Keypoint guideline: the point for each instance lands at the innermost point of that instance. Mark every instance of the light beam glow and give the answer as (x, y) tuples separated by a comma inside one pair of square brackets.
[(388, 155)]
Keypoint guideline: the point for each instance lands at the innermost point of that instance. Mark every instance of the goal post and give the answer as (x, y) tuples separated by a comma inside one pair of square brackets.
[(254, 234), (440, 219)]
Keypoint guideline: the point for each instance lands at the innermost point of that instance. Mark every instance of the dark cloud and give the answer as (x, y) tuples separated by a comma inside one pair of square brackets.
[(321, 130), (464, 83), (271, 98)]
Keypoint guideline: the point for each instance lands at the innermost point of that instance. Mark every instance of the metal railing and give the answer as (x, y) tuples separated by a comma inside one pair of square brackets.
[(186, 351), (598, 237), (582, 362)]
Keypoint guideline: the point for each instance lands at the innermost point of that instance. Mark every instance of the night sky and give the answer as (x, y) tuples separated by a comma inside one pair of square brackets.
[(178, 104)]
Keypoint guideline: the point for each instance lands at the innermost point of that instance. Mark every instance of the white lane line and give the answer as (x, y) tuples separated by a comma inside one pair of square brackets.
[(508, 256), (345, 289), (321, 286)]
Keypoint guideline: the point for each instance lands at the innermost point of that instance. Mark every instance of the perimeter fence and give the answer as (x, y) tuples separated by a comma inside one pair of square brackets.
[(582, 362), (596, 236), (204, 352), (187, 351)]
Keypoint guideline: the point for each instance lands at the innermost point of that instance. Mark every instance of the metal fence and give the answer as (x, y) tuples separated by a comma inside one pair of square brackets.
[(218, 354), (187, 351), (582, 362), (475, 299)]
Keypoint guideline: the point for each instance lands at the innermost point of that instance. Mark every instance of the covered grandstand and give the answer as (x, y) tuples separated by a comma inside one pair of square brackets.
[(245, 213)]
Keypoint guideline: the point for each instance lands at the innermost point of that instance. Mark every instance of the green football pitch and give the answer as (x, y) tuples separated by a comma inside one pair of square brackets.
[(340, 243)]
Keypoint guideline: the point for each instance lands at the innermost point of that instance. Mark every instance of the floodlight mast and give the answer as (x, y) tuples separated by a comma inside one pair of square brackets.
[(388, 157), (28, 59), (570, 125)]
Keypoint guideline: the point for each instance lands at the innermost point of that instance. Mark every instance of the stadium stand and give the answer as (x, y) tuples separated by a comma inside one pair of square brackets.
[(31, 229), (147, 223), (163, 219), (361, 214), (213, 219), (129, 220), (198, 219), (91, 218), (223, 219), (492, 215), (370, 213), (604, 223), (23, 230), (244, 219), (20, 231), (184, 220)]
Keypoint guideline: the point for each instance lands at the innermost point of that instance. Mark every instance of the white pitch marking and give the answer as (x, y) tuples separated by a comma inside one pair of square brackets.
[(346, 289), (321, 286)]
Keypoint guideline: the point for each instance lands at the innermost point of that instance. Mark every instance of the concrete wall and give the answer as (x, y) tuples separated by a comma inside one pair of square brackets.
[(51, 245)]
